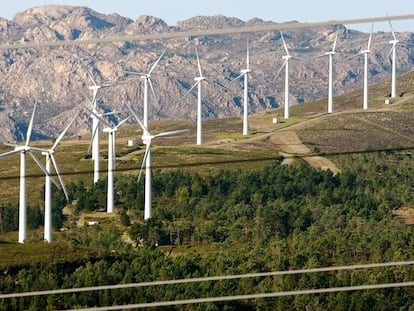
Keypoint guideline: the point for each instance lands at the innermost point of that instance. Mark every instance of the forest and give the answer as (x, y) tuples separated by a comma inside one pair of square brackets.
[(224, 222)]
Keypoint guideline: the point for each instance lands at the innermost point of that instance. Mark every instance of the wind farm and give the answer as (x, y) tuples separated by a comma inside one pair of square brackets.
[(321, 187)]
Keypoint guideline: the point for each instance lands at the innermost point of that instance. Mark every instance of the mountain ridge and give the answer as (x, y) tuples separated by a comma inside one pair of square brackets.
[(55, 76)]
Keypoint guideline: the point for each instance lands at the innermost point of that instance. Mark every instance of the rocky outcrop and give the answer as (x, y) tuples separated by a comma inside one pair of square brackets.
[(57, 77)]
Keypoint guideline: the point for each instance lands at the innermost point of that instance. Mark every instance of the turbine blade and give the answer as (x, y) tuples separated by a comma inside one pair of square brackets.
[(30, 128), (90, 77), (93, 138), (134, 73), (86, 70), (111, 84), (9, 153), (155, 64), (284, 43), (198, 63), (170, 133), (144, 160), (87, 99), (153, 91), (144, 129), (214, 83), (392, 30), (391, 50), (334, 45), (10, 145), (43, 168), (57, 141), (280, 70), (60, 177), (370, 36), (189, 91), (123, 121), (110, 113), (236, 78), (99, 117)]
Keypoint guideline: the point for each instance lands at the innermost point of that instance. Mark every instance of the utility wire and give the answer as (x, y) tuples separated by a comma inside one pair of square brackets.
[(227, 161), (252, 296), (195, 33), (207, 279)]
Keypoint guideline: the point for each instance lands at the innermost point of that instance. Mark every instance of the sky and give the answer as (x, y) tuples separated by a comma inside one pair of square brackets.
[(172, 11)]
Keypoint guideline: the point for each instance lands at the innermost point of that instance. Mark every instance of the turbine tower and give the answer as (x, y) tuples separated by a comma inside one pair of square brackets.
[(48, 186), (95, 122), (285, 65), (23, 150), (365, 53), (245, 73), (198, 84), (330, 54), (146, 139), (393, 50), (147, 81), (110, 129)]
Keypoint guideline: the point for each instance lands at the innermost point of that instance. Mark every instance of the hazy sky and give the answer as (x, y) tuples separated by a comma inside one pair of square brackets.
[(172, 11)]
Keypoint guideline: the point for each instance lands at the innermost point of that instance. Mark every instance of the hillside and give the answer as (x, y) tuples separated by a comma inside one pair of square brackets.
[(310, 133), (56, 77)]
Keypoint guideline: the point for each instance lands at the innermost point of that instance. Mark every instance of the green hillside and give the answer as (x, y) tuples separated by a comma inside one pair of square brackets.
[(227, 207)]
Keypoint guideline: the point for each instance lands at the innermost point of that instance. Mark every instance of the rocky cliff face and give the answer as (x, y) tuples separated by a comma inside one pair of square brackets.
[(57, 76)]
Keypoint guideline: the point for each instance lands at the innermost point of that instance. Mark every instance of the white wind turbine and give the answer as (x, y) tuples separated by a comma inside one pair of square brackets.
[(393, 50), (197, 83), (48, 186), (365, 53), (147, 81), (23, 150), (147, 158), (95, 122), (147, 138), (245, 73), (330, 54), (110, 129), (286, 66)]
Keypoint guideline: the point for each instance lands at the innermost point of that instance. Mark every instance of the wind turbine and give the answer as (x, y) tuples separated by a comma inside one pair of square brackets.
[(365, 53), (48, 186), (393, 50), (286, 66), (146, 139), (147, 81), (330, 54), (110, 129), (23, 150), (245, 73), (95, 122), (197, 83)]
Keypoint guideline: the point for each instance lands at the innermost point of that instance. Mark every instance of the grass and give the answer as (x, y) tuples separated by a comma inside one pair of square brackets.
[(349, 129)]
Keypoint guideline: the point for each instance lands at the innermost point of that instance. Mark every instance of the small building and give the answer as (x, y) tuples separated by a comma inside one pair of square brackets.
[(276, 120), (132, 143)]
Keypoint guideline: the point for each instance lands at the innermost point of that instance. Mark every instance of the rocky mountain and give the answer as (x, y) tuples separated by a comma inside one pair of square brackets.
[(57, 76)]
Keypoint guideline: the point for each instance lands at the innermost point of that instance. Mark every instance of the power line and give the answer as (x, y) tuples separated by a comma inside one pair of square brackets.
[(223, 162), (194, 33), (248, 297), (206, 279)]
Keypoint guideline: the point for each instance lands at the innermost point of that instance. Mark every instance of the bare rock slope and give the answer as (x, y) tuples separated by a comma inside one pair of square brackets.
[(57, 77)]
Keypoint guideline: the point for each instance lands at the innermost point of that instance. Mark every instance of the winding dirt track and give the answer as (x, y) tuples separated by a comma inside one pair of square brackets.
[(290, 145)]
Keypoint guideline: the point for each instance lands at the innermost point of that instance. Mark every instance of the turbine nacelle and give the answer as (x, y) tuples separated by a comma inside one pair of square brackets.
[(199, 79), (245, 71), (109, 129)]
